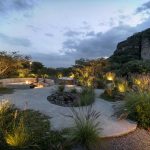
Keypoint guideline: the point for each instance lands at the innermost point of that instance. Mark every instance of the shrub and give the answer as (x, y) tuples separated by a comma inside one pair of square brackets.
[(122, 85), (3, 144), (142, 82), (100, 83), (109, 95), (26, 129), (136, 66), (7, 111), (109, 92), (19, 136), (115, 91), (137, 107), (39, 126), (87, 97), (86, 128), (58, 141), (73, 90), (61, 88)]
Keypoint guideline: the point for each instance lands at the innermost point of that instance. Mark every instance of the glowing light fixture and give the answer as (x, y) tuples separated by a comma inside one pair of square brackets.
[(59, 75), (137, 81), (27, 82), (121, 87), (110, 76), (72, 75)]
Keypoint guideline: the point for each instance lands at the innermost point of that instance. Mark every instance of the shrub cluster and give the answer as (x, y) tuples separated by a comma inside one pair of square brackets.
[(25, 129), (137, 107), (28, 129), (115, 88)]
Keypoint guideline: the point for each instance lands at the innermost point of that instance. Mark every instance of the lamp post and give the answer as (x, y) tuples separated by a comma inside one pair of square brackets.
[(30, 64)]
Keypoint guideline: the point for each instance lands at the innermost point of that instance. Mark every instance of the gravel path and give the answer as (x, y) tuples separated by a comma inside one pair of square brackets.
[(137, 140)]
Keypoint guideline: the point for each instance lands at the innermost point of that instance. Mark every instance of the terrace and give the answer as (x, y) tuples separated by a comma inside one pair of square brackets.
[(36, 99)]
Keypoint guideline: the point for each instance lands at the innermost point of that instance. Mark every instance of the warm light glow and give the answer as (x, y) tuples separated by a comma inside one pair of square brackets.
[(89, 83), (110, 76), (72, 75), (21, 75), (27, 82), (137, 81), (121, 87), (19, 137), (39, 86), (4, 105), (59, 75)]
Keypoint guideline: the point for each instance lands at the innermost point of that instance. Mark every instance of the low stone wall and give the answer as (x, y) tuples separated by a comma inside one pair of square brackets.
[(6, 82)]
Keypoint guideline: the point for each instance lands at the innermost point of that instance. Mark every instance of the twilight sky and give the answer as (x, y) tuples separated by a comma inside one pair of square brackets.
[(56, 32)]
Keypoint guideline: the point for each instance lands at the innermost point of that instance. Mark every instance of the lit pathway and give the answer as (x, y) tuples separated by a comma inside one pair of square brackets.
[(37, 99)]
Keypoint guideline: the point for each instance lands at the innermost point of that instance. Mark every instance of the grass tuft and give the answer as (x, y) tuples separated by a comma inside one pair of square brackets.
[(86, 128), (87, 97)]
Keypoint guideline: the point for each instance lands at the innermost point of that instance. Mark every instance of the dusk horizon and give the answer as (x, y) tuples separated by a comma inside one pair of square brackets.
[(57, 33)]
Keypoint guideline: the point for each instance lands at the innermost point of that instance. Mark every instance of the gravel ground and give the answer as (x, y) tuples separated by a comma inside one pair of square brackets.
[(137, 140)]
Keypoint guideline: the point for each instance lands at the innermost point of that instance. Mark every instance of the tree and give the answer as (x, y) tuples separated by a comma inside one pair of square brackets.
[(37, 67), (10, 62), (90, 70)]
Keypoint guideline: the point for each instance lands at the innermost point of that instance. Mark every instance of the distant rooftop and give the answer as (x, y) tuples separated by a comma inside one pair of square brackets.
[(66, 78)]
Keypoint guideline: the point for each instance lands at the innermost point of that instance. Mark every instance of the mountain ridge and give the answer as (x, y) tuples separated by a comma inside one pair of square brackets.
[(136, 47)]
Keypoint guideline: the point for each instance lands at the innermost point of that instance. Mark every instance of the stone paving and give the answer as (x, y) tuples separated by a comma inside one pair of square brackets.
[(37, 99)]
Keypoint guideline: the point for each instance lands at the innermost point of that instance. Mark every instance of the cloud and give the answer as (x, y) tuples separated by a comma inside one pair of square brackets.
[(94, 45), (100, 44), (49, 34), (16, 5), (15, 40), (34, 28), (91, 33), (53, 60), (144, 7), (71, 33), (85, 25)]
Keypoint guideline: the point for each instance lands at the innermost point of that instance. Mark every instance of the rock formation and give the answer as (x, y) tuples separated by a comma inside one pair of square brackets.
[(136, 46)]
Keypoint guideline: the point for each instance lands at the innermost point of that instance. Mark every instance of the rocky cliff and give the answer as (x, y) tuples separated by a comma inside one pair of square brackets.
[(136, 46)]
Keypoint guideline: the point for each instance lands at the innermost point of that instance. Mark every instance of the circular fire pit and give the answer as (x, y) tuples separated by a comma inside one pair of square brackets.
[(66, 99)]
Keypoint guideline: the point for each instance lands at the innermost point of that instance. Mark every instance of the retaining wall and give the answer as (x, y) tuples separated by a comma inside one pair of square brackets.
[(5, 82)]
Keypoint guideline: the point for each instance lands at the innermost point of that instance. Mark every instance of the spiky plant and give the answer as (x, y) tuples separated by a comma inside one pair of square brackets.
[(86, 128), (19, 137), (6, 114), (87, 97)]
